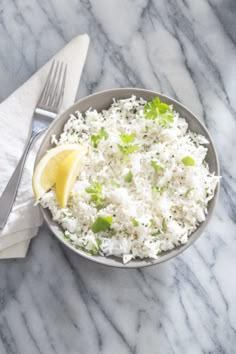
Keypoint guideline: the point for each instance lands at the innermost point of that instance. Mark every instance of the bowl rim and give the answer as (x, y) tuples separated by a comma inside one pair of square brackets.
[(145, 262)]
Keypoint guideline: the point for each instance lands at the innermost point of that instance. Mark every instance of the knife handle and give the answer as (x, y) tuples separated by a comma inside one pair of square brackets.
[(9, 194)]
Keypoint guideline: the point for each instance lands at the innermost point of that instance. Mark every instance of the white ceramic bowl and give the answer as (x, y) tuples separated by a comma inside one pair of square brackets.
[(102, 100)]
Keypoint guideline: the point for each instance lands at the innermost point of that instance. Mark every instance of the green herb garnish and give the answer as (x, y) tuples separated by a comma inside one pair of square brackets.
[(95, 139), (102, 223), (66, 237), (128, 149), (115, 184), (164, 225), (127, 138), (158, 168), (156, 233), (152, 222), (188, 161), (187, 192), (157, 110), (128, 178), (95, 192), (159, 189), (135, 222), (94, 250)]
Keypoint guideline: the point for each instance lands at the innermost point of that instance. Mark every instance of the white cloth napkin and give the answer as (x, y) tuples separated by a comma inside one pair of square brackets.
[(15, 119)]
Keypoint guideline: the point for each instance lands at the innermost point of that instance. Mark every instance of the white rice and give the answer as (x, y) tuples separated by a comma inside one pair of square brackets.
[(154, 212)]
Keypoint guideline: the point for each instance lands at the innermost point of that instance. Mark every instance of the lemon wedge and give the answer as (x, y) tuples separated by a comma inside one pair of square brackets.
[(67, 173), (45, 173)]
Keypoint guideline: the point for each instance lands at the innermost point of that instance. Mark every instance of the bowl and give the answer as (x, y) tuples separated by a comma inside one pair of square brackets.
[(102, 100)]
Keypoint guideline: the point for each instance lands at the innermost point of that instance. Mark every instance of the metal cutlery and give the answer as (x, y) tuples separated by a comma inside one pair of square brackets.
[(46, 110)]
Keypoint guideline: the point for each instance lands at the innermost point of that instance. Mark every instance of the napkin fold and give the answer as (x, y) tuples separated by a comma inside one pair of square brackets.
[(15, 121)]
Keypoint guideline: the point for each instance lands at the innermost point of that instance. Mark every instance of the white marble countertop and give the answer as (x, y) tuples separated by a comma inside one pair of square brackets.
[(56, 302)]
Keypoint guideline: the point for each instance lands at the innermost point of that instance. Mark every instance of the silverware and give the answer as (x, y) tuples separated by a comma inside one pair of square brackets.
[(46, 110)]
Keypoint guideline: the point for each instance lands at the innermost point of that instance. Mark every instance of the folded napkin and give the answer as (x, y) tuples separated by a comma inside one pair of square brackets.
[(15, 120)]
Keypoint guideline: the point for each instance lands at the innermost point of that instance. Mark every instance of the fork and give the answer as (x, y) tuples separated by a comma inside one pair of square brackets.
[(46, 110)]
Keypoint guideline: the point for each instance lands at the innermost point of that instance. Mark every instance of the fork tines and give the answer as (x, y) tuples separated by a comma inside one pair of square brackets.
[(53, 90)]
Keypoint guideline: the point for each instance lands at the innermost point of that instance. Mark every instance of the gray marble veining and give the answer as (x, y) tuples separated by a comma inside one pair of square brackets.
[(56, 302)]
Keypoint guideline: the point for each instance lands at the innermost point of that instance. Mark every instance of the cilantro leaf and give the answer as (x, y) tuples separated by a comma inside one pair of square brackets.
[(66, 237), (135, 222), (94, 250), (156, 189), (127, 138), (188, 161), (158, 168), (158, 110), (159, 189), (95, 139), (156, 233), (102, 223), (104, 133), (128, 178), (164, 225), (128, 149), (187, 192), (152, 222), (96, 187), (115, 184), (95, 191)]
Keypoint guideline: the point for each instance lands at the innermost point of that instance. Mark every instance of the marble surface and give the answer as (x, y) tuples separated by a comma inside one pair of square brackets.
[(56, 302)]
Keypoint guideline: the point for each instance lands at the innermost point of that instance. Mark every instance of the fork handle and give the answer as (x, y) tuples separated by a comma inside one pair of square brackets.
[(9, 194)]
